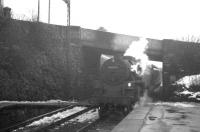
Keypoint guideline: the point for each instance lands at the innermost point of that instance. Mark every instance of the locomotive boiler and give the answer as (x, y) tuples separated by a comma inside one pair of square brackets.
[(120, 86)]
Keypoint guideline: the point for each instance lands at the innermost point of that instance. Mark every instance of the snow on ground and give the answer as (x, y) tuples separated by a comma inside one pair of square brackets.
[(187, 93), (189, 87), (48, 101), (56, 117), (48, 120), (189, 80), (177, 104), (89, 117), (85, 117), (194, 95)]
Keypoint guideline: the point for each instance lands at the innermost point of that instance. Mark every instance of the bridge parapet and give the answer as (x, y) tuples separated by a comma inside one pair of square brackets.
[(114, 42)]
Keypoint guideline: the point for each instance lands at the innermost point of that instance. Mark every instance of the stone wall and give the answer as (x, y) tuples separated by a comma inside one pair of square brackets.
[(39, 62), (33, 61)]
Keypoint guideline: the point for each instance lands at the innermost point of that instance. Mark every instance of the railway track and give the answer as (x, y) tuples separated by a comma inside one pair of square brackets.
[(104, 124), (37, 124), (74, 119), (24, 123), (86, 127), (63, 121), (100, 125), (93, 124), (80, 123)]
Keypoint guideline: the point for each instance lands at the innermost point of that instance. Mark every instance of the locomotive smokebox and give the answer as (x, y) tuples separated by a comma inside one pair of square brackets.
[(115, 71)]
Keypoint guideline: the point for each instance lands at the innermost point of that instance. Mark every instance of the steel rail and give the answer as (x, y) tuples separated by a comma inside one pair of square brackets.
[(88, 126)]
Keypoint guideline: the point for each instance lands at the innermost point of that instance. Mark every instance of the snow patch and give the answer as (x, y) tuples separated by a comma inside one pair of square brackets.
[(48, 101), (56, 117), (189, 80), (186, 92), (87, 116), (177, 104), (193, 95)]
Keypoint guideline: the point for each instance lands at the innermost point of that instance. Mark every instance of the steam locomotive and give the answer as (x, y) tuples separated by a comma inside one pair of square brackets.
[(122, 83), (120, 86)]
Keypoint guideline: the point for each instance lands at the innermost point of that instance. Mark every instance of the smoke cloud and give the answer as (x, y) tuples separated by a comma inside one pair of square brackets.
[(137, 50)]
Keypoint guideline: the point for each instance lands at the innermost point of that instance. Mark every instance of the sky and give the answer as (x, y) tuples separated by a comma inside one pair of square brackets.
[(158, 19)]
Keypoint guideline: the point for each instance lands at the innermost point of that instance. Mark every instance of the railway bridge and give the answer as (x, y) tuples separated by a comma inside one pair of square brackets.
[(179, 58)]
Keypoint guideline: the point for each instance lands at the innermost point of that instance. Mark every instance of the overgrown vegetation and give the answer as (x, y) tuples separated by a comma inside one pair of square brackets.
[(188, 87), (191, 38), (179, 92), (32, 18)]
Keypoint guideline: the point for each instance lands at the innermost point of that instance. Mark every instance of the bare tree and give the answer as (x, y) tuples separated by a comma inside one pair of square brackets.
[(194, 79), (190, 38), (33, 16), (102, 29)]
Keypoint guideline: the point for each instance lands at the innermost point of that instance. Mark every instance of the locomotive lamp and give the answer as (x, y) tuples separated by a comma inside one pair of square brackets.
[(129, 84)]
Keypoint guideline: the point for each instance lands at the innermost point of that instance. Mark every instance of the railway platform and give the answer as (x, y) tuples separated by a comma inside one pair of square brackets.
[(162, 117)]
